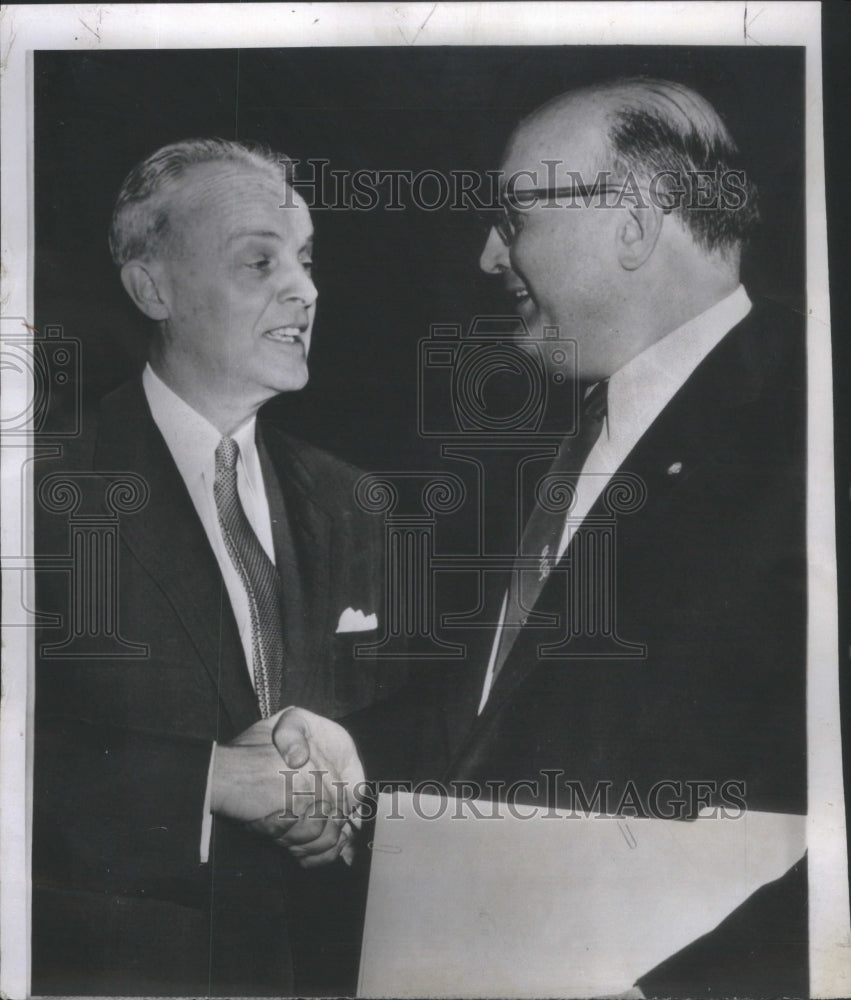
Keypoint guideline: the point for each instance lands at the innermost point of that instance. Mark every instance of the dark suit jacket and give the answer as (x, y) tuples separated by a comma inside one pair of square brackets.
[(709, 576), (121, 902)]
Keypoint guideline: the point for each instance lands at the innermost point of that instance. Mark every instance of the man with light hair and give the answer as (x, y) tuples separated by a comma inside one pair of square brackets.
[(674, 676), (234, 584)]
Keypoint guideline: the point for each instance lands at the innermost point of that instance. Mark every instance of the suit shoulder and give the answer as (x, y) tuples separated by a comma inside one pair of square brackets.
[(764, 385), (123, 408), (73, 453), (778, 334)]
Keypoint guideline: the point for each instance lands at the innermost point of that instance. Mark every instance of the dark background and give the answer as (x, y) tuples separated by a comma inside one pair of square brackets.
[(383, 276)]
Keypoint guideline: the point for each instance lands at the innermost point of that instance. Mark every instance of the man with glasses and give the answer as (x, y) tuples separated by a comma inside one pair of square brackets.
[(625, 212)]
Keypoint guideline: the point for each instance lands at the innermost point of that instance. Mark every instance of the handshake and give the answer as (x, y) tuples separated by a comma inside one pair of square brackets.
[(292, 778)]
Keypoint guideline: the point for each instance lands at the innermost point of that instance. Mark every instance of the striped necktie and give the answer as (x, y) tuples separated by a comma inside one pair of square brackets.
[(259, 577), (543, 531)]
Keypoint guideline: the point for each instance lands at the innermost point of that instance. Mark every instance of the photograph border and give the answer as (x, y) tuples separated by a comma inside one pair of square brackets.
[(100, 27)]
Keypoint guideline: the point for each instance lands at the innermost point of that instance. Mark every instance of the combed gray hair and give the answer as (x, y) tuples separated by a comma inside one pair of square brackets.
[(141, 225), (663, 128)]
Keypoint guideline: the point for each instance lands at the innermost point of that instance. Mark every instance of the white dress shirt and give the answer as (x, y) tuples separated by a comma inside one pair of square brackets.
[(637, 394), (192, 441)]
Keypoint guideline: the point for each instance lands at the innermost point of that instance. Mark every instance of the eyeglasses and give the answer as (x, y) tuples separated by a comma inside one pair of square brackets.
[(504, 218)]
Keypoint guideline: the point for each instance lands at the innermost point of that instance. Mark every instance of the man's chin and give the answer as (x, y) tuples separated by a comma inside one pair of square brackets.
[(295, 383), (531, 323), (290, 381)]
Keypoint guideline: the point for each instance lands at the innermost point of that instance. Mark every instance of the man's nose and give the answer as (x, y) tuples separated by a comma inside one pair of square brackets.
[(299, 287), (494, 258)]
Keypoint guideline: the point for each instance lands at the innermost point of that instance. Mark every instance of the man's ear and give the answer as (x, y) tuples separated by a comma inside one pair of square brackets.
[(637, 234), (142, 281)]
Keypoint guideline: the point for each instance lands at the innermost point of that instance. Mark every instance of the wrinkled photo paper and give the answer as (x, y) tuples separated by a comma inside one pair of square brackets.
[(419, 574)]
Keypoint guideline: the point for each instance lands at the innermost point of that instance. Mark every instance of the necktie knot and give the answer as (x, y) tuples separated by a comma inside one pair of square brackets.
[(227, 454)]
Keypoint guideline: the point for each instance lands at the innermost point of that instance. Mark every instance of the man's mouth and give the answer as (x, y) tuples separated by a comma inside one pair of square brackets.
[(284, 335), (519, 295)]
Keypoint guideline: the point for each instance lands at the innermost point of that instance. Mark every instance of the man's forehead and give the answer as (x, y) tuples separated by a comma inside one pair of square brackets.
[(229, 194), (570, 131)]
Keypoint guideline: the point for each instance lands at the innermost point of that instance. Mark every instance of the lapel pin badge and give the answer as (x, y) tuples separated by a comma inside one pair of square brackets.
[(675, 468)]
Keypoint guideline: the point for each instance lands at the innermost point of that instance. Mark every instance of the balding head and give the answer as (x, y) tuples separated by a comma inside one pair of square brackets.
[(649, 129), (617, 266)]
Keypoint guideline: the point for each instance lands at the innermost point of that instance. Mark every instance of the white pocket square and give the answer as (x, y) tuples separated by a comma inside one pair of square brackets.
[(356, 621)]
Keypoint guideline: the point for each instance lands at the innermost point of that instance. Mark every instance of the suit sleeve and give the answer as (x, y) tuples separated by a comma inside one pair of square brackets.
[(117, 810), (122, 746)]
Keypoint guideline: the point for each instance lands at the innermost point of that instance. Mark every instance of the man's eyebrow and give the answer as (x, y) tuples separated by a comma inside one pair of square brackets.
[(265, 234), (258, 233)]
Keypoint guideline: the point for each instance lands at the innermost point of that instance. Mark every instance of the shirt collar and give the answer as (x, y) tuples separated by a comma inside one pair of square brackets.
[(192, 439), (640, 390)]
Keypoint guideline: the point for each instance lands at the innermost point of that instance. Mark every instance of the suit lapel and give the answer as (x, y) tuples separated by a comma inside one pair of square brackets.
[(465, 683), (689, 435), (304, 557), (169, 541)]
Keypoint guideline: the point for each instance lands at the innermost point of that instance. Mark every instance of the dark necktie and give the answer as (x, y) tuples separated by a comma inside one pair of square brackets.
[(259, 577), (543, 531)]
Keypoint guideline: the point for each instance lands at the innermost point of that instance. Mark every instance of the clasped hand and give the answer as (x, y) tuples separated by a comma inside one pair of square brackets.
[(292, 778)]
